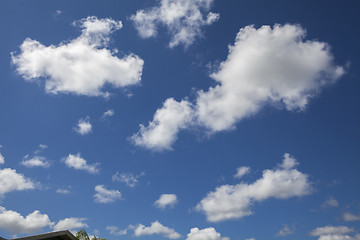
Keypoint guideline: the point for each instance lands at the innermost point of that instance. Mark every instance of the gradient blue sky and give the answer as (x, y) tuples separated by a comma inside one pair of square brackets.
[(167, 125)]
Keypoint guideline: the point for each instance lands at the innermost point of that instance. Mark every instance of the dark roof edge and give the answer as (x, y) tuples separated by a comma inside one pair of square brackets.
[(66, 235)]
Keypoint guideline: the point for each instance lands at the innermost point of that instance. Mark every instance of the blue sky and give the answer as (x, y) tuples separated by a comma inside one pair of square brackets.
[(183, 119)]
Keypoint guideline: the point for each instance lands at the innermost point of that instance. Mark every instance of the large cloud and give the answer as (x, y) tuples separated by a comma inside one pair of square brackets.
[(104, 195), (334, 233), (81, 66), (166, 200), (70, 224), (235, 201), (10, 181), (15, 223), (265, 66), (205, 234), (156, 228), (183, 19)]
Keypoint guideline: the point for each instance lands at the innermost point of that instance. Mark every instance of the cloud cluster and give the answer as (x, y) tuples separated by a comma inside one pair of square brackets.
[(17, 224), (183, 19), (116, 231), (35, 161), (285, 230), (128, 178), (350, 217), (334, 233), (82, 66), (235, 201), (104, 195), (84, 126), (166, 200), (10, 181), (78, 163), (70, 224), (2, 159), (156, 228), (265, 66), (241, 171), (205, 234)]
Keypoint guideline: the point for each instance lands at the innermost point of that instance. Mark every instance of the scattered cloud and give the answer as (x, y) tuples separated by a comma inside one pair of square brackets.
[(156, 228), (84, 126), (15, 223), (104, 195), (78, 163), (241, 171), (43, 146), (265, 66), (70, 224), (286, 230), (334, 233), (162, 132), (183, 20), (63, 191), (166, 200), (330, 202), (205, 234), (128, 178), (82, 66), (108, 113), (349, 217), (235, 201), (35, 161), (2, 159), (10, 181), (116, 231)]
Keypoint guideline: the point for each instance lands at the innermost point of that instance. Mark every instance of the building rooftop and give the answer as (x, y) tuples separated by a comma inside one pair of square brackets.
[(60, 235)]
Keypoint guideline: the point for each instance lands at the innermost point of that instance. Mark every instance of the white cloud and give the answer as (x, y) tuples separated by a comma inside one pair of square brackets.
[(205, 234), (184, 20), (116, 231), (156, 228), (108, 113), (104, 195), (162, 132), (10, 181), (166, 200), (63, 191), (83, 127), (349, 217), (77, 162), (70, 224), (43, 146), (330, 202), (265, 66), (81, 66), (2, 159), (286, 230), (235, 201), (36, 161), (128, 178), (15, 223), (334, 233), (241, 171)]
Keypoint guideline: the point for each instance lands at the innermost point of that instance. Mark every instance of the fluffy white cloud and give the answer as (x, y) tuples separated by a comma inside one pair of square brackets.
[(286, 230), (166, 200), (77, 162), (15, 223), (116, 231), (70, 224), (349, 217), (83, 127), (10, 181), (265, 66), (205, 234), (334, 233), (104, 195), (184, 20), (2, 159), (235, 201), (162, 132), (156, 228), (36, 161), (82, 66), (128, 178), (241, 171), (63, 191), (108, 113)]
